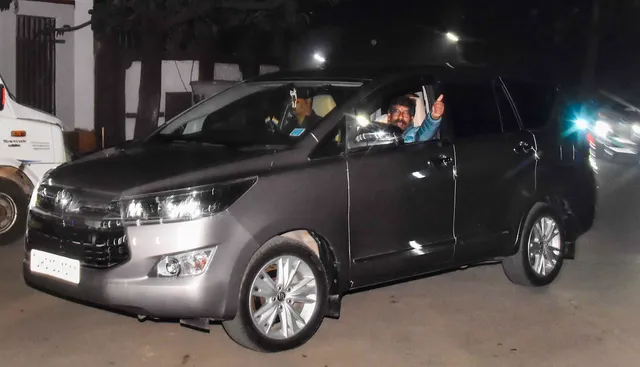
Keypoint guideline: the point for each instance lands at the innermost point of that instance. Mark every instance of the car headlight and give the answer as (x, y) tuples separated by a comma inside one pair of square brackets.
[(602, 128), (34, 195), (582, 124), (183, 205), (636, 128)]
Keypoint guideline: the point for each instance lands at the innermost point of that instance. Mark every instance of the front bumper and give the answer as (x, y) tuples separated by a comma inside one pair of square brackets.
[(129, 286)]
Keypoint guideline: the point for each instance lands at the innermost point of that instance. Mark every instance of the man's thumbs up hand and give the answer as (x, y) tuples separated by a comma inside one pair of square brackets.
[(438, 108)]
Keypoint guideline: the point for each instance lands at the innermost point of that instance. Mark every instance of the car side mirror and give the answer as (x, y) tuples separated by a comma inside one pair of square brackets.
[(3, 97), (376, 133)]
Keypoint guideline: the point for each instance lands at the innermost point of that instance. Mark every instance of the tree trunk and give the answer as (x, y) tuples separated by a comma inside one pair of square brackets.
[(206, 60), (249, 61), (149, 92), (109, 92)]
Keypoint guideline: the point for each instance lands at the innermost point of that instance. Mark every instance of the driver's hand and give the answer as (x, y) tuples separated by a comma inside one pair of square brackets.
[(438, 108)]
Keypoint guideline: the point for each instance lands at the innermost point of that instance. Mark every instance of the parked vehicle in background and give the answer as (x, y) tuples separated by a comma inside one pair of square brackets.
[(233, 211), (31, 144)]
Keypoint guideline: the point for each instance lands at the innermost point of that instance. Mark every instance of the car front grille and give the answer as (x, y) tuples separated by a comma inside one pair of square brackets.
[(92, 232)]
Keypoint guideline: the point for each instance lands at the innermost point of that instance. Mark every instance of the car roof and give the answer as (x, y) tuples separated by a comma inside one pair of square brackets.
[(366, 74)]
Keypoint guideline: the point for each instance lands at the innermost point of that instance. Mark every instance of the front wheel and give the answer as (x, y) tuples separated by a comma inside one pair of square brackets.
[(283, 298), (13, 211), (541, 253)]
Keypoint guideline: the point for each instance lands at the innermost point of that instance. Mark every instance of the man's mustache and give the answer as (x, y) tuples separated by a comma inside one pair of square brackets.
[(400, 122)]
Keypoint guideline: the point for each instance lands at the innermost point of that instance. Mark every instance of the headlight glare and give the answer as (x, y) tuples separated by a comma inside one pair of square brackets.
[(181, 205), (582, 124), (602, 128)]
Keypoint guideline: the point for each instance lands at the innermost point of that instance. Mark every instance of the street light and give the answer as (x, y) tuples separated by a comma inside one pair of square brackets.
[(452, 37), (319, 58)]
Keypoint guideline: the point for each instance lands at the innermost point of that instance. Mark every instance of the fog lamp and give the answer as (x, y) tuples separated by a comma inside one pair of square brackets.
[(185, 264)]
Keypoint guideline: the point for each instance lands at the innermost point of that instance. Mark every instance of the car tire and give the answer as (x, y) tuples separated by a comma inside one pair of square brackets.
[(524, 268), (244, 331), (13, 211)]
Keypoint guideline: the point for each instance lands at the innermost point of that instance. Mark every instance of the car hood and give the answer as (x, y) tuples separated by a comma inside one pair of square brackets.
[(152, 167)]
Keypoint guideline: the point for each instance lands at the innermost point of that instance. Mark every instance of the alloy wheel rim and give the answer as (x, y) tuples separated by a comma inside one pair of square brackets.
[(283, 297), (8, 213), (544, 247)]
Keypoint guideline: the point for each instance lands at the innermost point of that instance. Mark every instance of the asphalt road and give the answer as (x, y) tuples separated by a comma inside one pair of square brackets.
[(474, 317)]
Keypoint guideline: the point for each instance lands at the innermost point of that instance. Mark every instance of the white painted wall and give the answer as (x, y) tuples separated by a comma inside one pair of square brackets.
[(227, 72), (65, 74), (84, 65), (267, 69)]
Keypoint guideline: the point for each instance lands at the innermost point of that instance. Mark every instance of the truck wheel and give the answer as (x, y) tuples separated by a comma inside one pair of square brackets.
[(283, 298), (13, 212), (541, 253)]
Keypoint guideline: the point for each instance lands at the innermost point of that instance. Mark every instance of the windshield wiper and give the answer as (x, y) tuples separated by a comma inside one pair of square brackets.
[(202, 142), (264, 147)]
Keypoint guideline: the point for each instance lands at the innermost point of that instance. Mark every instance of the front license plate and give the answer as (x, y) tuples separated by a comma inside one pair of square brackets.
[(59, 267)]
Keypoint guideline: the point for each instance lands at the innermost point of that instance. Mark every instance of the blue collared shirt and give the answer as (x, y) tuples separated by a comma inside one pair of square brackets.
[(424, 132)]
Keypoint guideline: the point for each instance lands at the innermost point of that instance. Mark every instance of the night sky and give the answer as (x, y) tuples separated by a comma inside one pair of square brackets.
[(543, 37)]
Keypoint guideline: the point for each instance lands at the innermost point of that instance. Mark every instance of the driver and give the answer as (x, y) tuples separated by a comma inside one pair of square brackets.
[(303, 115), (401, 112)]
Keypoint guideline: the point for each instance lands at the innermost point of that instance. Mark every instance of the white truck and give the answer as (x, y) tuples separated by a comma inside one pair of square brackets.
[(31, 143)]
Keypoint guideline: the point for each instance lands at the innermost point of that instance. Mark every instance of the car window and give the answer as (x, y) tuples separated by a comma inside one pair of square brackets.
[(471, 108), (257, 114), (369, 124), (534, 102), (505, 108), (332, 144)]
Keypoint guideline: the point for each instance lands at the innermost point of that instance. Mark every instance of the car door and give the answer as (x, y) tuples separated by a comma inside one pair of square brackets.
[(495, 165), (401, 200)]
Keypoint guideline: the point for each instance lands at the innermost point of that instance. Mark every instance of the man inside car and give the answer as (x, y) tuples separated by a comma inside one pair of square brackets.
[(303, 115), (401, 112)]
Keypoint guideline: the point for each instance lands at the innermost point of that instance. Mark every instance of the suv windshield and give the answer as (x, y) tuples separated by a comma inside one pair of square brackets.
[(262, 114)]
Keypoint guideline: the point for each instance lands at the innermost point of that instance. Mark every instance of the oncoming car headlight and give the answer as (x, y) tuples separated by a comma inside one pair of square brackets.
[(184, 204), (602, 128)]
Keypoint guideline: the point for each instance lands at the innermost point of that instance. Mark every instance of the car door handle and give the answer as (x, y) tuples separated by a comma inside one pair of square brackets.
[(442, 160), (523, 148)]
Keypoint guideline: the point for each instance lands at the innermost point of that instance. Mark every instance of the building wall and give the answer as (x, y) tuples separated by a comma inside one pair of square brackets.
[(75, 66), (65, 75)]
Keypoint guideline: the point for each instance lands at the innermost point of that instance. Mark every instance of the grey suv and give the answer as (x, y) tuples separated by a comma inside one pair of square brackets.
[(264, 205)]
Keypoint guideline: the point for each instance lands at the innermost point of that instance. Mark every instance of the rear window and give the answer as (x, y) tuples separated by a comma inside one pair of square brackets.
[(471, 108), (533, 101)]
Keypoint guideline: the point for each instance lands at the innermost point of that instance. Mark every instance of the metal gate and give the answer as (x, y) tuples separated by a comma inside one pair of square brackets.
[(36, 63)]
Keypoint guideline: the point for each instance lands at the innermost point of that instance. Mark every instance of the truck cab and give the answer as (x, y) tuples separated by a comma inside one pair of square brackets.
[(31, 143)]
